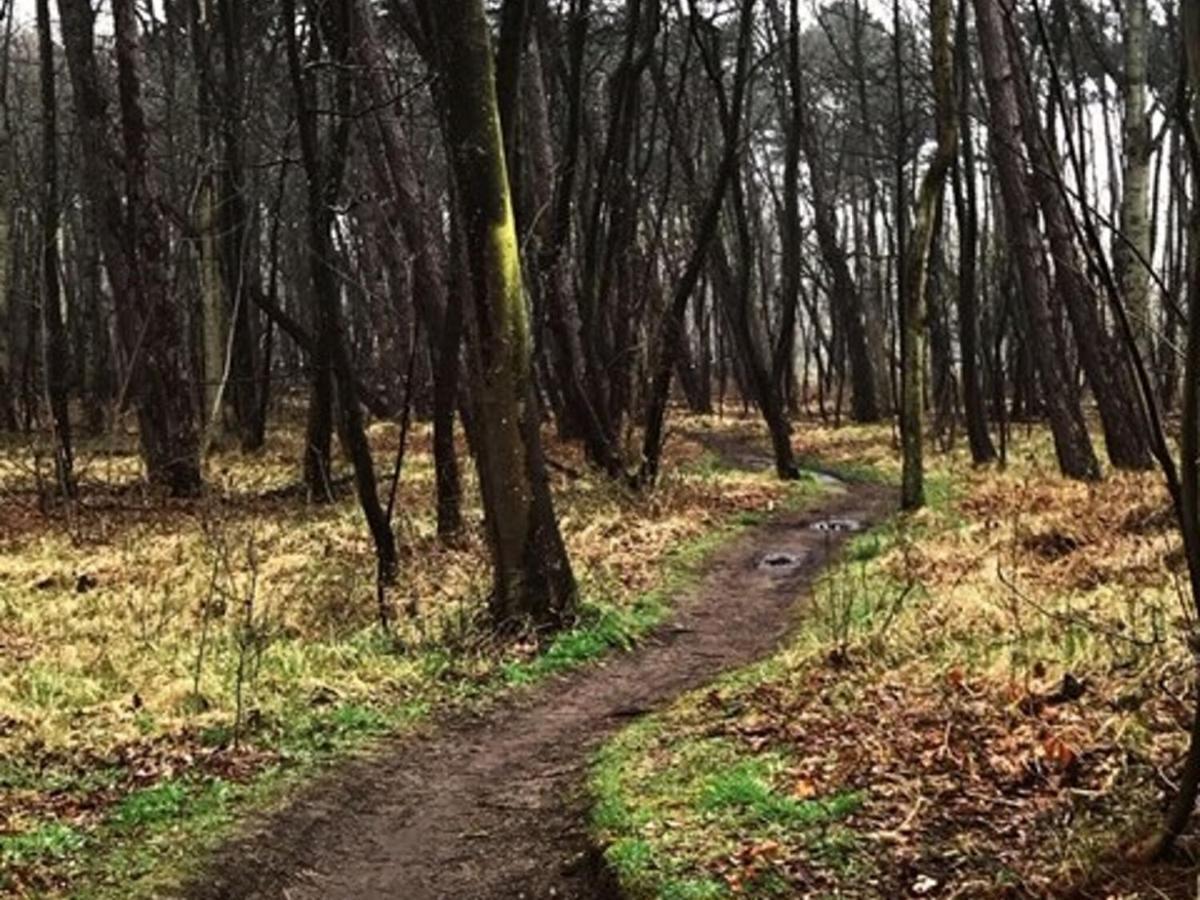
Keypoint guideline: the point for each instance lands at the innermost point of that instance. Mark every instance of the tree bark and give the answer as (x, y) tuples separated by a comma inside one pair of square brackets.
[(1131, 248), (671, 332), (845, 299), (440, 311), (136, 251)]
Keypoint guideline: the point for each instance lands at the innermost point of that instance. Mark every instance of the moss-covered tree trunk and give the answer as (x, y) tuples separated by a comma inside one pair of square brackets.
[(929, 202), (533, 582)]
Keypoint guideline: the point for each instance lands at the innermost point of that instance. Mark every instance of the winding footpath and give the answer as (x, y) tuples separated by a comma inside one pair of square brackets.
[(494, 806)]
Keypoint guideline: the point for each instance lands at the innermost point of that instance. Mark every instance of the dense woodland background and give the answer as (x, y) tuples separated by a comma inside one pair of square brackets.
[(215, 208), (570, 221)]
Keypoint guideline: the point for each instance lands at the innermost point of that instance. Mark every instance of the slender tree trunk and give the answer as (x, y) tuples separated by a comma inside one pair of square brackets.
[(150, 334), (845, 299), (8, 407), (1183, 480), (912, 495), (550, 234), (56, 350), (765, 389), (152, 331), (440, 310), (966, 208), (239, 275), (671, 333), (790, 236)]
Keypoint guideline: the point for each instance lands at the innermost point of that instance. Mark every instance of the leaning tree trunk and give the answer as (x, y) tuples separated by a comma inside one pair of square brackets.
[(550, 235), (912, 495), (533, 583), (845, 298), (1104, 363), (324, 168), (1072, 444), (735, 291), (56, 355), (439, 309)]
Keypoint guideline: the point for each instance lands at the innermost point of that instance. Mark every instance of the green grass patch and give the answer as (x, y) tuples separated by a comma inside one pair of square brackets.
[(746, 790), (49, 841), (670, 804)]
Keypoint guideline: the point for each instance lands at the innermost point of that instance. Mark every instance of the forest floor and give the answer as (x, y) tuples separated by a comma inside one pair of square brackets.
[(167, 667), (984, 699)]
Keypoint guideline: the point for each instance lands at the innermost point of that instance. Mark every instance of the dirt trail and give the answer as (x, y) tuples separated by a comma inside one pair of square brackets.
[(493, 806)]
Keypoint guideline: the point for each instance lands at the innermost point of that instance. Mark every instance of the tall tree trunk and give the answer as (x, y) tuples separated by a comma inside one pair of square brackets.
[(56, 350), (790, 236), (550, 235), (8, 406), (1183, 480), (735, 291), (1071, 441), (912, 495), (967, 213), (151, 328), (239, 275), (533, 582), (845, 298)]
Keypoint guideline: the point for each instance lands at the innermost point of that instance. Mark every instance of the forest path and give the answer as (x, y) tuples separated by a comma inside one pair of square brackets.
[(493, 805)]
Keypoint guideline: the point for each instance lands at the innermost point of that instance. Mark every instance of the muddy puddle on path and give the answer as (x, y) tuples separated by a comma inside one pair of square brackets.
[(494, 806)]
